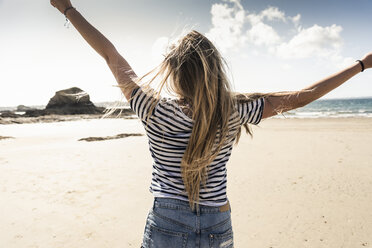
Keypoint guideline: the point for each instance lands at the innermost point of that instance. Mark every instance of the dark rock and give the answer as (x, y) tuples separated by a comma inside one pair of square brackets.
[(72, 101), (23, 108), (72, 96), (122, 112), (6, 137), (118, 136), (35, 113), (8, 114), (67, 110)]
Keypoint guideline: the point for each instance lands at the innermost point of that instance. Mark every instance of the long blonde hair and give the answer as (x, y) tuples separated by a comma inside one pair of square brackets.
[(198, 75), (195, 71)]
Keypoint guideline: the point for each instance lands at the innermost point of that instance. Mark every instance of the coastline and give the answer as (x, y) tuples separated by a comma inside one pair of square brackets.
[(297, 183)]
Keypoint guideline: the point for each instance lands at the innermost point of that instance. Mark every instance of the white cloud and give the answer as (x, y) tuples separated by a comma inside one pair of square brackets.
[(234, 28), (316, 41), (262, 34), (230, 32), (313, 41), (228, 21), (272, 14), (227, 25), (236, 2), (268, 14), (296, 20)]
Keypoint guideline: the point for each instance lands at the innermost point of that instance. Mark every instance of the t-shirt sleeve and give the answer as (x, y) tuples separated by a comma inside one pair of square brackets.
[(140, 102), (251, 112)]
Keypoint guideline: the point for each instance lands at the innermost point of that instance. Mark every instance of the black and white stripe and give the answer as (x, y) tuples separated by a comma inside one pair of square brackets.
[(168, 132)]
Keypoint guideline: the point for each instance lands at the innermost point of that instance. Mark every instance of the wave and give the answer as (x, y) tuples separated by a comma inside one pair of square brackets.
[(332, 114)]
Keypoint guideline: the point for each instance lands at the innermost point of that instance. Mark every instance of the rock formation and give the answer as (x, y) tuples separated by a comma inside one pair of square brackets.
[(70, 101), (70, 97), (23, 108)]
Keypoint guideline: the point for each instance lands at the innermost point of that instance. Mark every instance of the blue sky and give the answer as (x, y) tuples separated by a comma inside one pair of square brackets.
[(269, 45)]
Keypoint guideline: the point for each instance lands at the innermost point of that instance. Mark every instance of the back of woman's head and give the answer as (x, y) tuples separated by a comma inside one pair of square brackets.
[(195, 66)]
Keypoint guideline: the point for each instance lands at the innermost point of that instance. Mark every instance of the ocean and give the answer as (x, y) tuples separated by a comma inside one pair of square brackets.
[(323, 108), (333, 108)]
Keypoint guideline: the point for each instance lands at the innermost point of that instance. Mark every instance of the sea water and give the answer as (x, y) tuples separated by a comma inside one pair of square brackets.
[(325, 108)]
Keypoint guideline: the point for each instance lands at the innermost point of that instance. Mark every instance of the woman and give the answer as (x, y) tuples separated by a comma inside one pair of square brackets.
[(191, 137)]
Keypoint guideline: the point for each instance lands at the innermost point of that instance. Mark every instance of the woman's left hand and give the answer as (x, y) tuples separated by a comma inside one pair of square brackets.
[(61, 5)]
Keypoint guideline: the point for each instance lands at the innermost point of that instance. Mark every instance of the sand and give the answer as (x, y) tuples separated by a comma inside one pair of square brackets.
[(297, 183)]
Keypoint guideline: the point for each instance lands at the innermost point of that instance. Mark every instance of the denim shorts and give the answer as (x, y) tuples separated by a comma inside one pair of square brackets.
[(172, 224)]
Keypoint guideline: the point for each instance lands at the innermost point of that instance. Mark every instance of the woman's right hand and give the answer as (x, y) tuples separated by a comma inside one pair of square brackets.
[(367, 61), (61, 5)]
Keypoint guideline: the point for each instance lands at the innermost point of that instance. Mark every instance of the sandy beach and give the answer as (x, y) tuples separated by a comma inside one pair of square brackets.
[(297, 183)]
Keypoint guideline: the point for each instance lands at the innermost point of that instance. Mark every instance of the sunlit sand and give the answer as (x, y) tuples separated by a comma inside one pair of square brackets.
[(297, 183)]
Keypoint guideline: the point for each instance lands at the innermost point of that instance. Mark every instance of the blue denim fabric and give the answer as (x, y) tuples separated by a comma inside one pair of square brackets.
[(171, 224)]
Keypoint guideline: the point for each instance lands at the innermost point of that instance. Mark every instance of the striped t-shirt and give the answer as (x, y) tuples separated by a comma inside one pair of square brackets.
[(168, 133)]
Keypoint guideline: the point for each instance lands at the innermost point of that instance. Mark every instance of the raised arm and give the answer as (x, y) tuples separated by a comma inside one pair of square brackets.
[(122, 71), (286, 101)]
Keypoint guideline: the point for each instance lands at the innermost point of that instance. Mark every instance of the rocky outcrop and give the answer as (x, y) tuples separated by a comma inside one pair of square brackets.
[(65, 105), (70, 97), (8, 114), (72, 101), (23, 108), (5, 137)]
